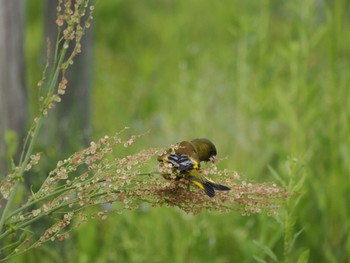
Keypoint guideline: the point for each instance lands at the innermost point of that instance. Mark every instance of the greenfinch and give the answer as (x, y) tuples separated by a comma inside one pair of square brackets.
[(186, 157)]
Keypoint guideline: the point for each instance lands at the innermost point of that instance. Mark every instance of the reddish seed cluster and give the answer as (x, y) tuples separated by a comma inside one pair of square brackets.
[(69, 14), (246, 198), (7, 184), (73, 20), (125, 182), (52, 232)]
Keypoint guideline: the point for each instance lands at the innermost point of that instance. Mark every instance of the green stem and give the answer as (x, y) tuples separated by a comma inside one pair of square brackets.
[(20, 173), (27, 223), (38, 200), (31, 144), (58, 191)]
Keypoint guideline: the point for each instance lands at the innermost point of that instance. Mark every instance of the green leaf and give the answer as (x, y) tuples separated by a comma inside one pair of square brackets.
[(299, 184), (276, 176), (267, 250), (304, 256), (11, 140), (295, 236), (260, 260)]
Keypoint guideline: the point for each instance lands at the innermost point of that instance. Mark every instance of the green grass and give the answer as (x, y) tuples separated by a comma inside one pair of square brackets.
[(265, 80)]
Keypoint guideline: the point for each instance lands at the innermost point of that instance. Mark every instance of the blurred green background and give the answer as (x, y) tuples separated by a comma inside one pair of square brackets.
[(265, 80)]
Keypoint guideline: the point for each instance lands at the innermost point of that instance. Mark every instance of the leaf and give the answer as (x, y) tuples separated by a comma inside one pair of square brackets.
[(295, 236), (11, 140), (299, 184), (260, 260), (304, 256), (267, 250), (276, 176)]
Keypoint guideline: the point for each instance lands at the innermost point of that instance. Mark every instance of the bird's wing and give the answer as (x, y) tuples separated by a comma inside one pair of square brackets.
[(187, 148), (216, 186), (184, 157), (208, 185), (181, 162)]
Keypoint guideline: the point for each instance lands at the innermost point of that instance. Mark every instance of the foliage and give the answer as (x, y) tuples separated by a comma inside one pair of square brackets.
[(92, 178), (264, 80)]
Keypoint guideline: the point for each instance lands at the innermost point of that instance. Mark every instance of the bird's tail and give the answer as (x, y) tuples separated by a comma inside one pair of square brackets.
[(209, 186)]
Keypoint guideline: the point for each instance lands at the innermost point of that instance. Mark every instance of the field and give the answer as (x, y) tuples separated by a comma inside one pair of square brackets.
[(267, 81)]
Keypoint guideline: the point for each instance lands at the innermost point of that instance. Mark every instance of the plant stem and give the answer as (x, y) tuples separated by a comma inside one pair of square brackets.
[(29, 151)]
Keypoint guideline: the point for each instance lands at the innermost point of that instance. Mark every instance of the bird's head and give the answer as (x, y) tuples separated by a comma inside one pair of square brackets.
[(205, 149)]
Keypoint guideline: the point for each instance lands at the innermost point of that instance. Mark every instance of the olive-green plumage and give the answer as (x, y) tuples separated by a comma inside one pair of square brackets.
[(186, 158), (204, 148)]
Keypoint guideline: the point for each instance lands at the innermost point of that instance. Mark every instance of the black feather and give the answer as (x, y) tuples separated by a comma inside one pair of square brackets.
[(221, 187), (209, 189), (182, 162)]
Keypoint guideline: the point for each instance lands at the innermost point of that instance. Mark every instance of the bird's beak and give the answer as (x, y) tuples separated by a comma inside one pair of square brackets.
[(213, 159)]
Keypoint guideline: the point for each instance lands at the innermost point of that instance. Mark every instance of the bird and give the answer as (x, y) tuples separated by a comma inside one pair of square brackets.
[(185, 159)]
